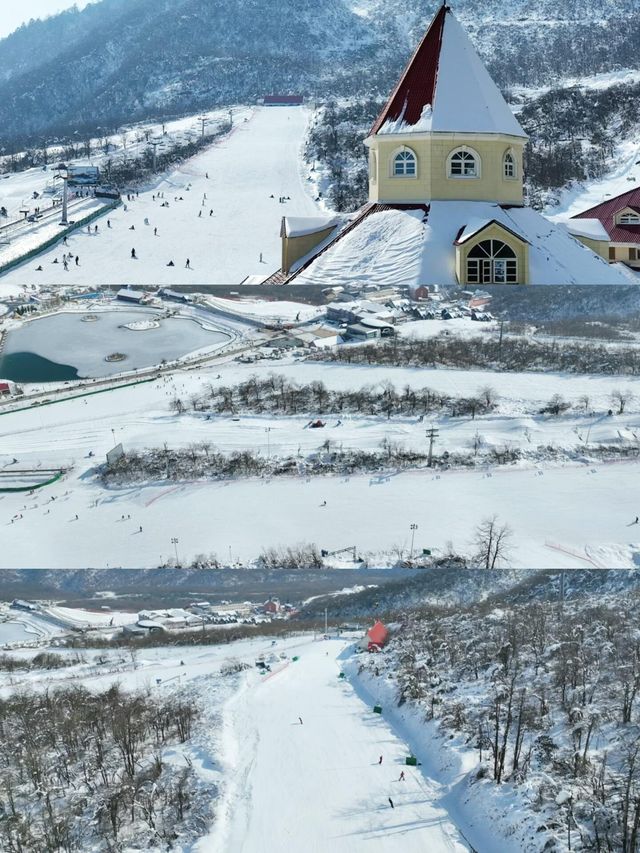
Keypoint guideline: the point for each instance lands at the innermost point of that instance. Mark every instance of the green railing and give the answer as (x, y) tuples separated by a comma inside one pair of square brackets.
[(60, 236), (39, 405), (32, 487)]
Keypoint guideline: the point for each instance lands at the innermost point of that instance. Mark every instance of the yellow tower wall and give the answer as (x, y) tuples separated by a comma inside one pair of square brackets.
[(432, 181)]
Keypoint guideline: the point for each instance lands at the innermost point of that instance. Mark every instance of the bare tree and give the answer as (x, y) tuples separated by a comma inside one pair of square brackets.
[(620, 398), (492, 541)]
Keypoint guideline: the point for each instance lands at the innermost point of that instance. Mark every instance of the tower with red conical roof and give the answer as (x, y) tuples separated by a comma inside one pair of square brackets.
[(446, 132)]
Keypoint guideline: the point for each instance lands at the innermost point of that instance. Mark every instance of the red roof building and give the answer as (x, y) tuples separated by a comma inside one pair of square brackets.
[(446, 202), (5, 388), (378, 635), (620, 217)]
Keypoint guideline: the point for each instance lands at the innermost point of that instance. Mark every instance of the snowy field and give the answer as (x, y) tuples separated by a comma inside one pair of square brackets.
[(248, 171), (562, 514)]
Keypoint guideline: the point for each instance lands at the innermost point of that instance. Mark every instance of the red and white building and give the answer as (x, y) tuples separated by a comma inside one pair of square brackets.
[(619, 217)]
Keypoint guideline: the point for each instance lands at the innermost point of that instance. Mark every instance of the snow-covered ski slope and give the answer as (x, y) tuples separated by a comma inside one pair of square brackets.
[(283, 786), (319, 785), (259, 159), (573, 515)]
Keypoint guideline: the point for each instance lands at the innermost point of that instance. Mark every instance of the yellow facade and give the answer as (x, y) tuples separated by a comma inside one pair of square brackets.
[(433, 180), (494, 231), (625, 253), (600, 247), (294, 248)]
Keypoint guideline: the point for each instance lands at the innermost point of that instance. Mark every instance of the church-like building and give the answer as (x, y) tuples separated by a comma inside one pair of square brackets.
[(446, 202)]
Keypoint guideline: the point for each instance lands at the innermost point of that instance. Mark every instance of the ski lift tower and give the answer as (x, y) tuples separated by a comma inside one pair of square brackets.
[(155, 144), (65, 192)]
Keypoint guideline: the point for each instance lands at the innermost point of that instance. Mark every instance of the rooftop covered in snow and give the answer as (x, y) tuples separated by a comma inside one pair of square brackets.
[(406, 245), (446, 88)]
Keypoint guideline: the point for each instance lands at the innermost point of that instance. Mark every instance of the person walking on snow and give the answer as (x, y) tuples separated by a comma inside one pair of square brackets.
[(380, 760), (188, 264), (140, 529), (391, 803), (133, 255), (401, 779), (300, 718)]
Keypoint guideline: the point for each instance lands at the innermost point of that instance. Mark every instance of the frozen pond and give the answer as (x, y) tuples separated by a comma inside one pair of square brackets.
[(73, 345), (14, 632)]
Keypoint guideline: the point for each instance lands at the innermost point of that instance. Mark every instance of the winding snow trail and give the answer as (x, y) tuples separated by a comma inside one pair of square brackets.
[(318, 785)]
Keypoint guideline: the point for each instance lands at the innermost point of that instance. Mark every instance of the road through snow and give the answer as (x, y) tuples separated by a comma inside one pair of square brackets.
[(318, 785)]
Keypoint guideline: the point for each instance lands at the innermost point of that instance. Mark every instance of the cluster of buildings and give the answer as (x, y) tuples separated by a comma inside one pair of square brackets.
[(200, 613)]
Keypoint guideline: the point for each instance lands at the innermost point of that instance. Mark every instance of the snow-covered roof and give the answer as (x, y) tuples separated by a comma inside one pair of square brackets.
[(405, 246), (592, 228), (300, 226), (477, 224), (446, 88), (607, 211), (128, 293)]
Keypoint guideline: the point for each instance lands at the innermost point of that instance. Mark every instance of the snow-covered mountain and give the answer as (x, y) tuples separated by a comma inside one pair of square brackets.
[(119, 60)]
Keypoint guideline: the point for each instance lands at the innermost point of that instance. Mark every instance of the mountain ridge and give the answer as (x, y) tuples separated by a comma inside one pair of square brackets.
[(119, 61)]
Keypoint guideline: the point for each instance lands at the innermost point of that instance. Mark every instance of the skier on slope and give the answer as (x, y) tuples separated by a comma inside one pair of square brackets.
[(391, 802), (300, 718), (380, 760), (133, 255)]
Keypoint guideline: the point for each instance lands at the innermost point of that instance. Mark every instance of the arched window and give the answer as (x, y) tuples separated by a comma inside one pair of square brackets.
[(509, 165), (492, 262), (629, 219), (464, 163), (405, 164)]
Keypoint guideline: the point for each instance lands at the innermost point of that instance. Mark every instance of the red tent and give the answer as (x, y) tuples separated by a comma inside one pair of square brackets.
[(378, 635)]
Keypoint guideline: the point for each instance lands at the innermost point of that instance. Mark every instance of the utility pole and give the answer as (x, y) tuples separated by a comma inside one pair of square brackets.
[(268, 431), (230, 118), (413, 529), (326, 628), (174, 542), (203, 120), (432, 434)]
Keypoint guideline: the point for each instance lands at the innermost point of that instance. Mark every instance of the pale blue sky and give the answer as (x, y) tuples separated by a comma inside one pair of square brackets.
[(13, 13)]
